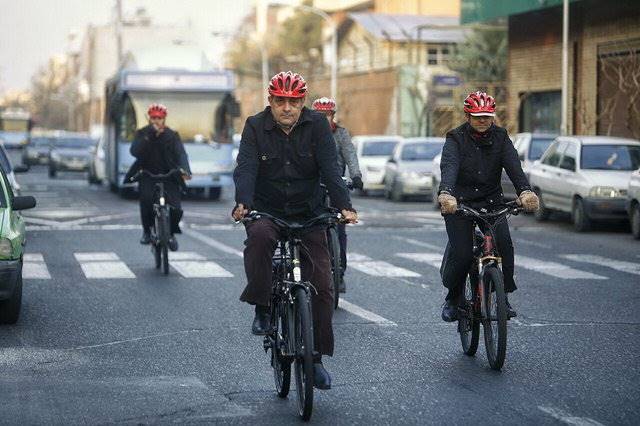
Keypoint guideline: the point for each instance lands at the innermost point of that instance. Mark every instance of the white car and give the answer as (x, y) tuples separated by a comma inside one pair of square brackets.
[(530, 147), (409, 171), (97, 166), (633, 203), (373, 153), (435, 179), (586, 176), (211, 167)]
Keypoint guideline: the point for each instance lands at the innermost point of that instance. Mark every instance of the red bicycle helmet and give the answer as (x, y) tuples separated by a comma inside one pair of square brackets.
[(324, 104), (157, 110), (288, 85), (479, 103)]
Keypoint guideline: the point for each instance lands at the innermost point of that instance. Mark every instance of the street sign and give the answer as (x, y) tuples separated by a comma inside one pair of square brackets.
[(446, 80)]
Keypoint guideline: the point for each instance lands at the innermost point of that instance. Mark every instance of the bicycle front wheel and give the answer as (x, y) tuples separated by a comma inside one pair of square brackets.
[(468, 323), (495, 325), (281, 366), (304, 346), (336, 269)]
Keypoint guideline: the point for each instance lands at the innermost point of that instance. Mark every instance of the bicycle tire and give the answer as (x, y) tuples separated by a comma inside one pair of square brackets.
[(157, 255), (495, 326), (165, 259), (469, 329), (336, 272), (303, 335), (281, 366)]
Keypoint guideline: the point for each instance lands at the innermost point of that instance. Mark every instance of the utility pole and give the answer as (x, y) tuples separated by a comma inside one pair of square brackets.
[(564, 104), (119, 30)]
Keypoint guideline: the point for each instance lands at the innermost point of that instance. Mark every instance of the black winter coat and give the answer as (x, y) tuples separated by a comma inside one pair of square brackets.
[(281, 174), (472, 167)]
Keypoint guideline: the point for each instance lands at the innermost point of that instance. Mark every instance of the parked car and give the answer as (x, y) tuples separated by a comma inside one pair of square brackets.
[(409, 171), (586, 176), (530, 147), (97, 166), (10, 171), (373, 153), (435, 179), (633, 203), (37, 151), (211, 167), (12, 240), (70, 153)]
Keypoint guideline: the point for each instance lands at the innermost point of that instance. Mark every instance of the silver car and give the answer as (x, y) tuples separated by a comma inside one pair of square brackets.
[(586, 176), (373, 153), (633, 203), (530, 147), (409, 171), (211, 167)]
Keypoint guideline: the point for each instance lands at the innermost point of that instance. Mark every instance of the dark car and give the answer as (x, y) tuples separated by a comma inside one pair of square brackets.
[(37, 151), (70, 153)]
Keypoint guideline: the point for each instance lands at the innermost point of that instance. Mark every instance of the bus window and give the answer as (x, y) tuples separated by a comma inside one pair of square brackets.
[(128, 121)]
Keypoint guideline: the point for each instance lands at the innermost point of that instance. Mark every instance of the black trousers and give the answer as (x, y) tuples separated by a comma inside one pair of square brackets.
[(342, 237), (148, 197), (262, 239), (458, 255)]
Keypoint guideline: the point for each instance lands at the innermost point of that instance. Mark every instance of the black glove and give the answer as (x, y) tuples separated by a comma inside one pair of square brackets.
[(357, 183)]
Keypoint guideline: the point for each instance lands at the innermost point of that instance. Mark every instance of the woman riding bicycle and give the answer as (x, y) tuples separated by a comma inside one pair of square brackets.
[(473, 157), (347, 158)]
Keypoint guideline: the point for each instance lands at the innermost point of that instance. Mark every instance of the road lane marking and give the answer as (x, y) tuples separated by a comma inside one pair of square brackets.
[(433, 259), (34, 267), (555, 270), (377, 268), (567, 418), (185, 255), (213, 243), (619, 265), (102, 265), (420, 243), (200, 269), (364, 314)]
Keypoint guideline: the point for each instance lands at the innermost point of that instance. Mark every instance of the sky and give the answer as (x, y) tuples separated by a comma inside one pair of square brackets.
[(31, 31)]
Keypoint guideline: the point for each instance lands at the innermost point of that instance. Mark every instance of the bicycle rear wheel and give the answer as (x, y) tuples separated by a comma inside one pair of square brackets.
[(304, 346), (468, 322), (281, 366), (336, 270), (156, 255), (165, 259), (495, 326)]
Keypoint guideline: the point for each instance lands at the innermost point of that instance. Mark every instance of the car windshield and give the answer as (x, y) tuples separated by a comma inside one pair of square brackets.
[(538, 147), (77, 143), (39, 142), (214, 153), (420, 151), (610, 157), (378, 148)]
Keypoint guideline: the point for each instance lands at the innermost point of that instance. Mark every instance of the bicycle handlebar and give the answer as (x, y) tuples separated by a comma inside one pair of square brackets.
[(510, 207), (324, 218), (167, 175)]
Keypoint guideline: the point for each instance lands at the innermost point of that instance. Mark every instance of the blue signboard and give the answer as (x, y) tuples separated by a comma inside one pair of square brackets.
[(446, 80)]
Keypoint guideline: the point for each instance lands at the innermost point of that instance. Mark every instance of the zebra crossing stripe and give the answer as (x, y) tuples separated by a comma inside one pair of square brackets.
[(199, 269), (103, 265), (378, 268), (619, 265), (433, 259), (34, 267), (556, 270)]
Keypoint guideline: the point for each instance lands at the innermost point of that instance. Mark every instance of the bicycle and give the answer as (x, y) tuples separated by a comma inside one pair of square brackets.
[(290, 338), (484, 298), (161, 231), (335, 253)]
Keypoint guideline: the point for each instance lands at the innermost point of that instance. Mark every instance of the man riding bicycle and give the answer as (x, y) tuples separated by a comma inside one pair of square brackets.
[(347, 158), (158, 150), (473, 157), (284, 152)]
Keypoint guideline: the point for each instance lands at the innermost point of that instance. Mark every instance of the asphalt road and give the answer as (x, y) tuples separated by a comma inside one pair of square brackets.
[(104, 338)]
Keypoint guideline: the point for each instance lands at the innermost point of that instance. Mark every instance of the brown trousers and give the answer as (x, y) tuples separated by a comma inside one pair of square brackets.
[(262, 239)]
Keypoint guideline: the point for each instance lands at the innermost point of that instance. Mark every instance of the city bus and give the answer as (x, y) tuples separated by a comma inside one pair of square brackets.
[(15, 127), (201, 106)]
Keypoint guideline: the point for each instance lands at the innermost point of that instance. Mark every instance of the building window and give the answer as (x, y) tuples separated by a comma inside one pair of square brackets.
[(432, 56), (540, 112), (445, 54)]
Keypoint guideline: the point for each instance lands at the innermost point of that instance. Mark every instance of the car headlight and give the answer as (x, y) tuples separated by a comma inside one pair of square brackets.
[(410, 175), (5, 247), (373, 169), (604, 192)]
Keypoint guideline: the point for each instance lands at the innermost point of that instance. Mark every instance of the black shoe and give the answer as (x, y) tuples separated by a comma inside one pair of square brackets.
[(173, 243), (510, 311), (262, 321), (321, 377), (146, 238), (449, 311)]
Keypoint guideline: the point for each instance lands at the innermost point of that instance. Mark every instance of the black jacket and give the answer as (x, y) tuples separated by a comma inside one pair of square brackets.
[(280, 174), (157, 154), (472, 167)]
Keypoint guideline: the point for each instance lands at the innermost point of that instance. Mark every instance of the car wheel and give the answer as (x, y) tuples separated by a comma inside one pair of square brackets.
[(10, 308), (581, 222), (52, 172), (542, 213), (396, 194), (214, 193), (635, 221)]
